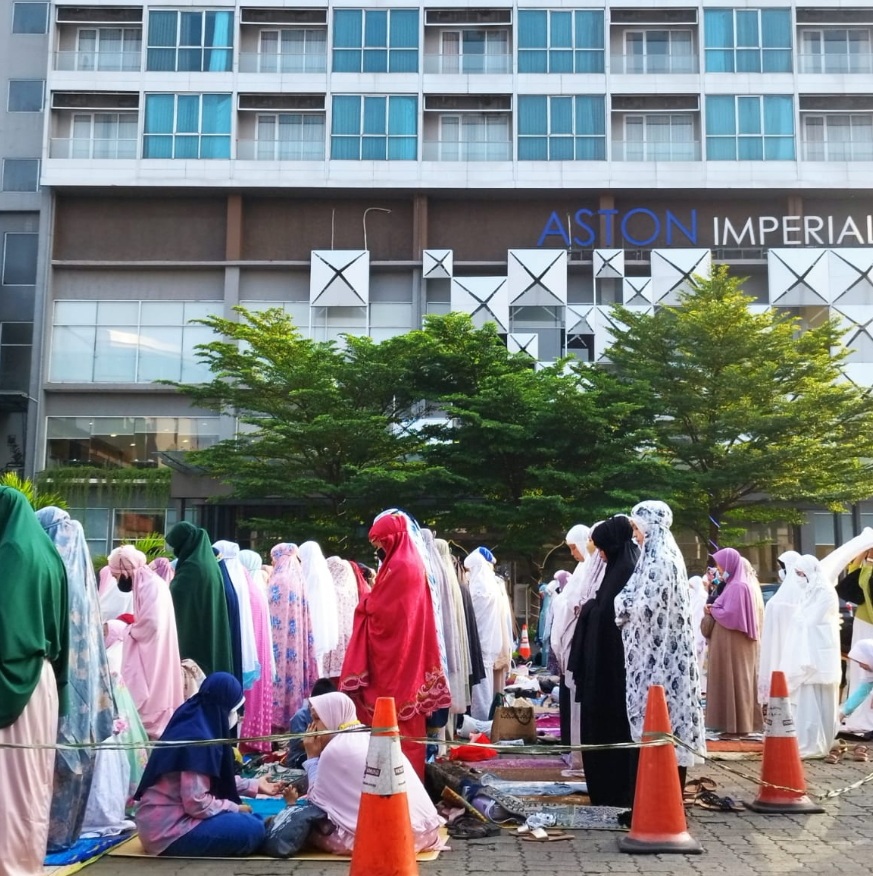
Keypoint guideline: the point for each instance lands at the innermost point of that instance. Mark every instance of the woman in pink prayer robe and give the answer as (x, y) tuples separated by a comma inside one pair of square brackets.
[(151, 666)]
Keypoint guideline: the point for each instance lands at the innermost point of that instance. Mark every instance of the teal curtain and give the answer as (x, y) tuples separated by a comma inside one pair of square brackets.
[(776, 40), (561, 115), (590, 127), (749, 115), (533, 128), (345, 141), (589, 42), (348, 38), (190, 42), (161, 53), (721, 127), (402, 128), (219, 41), (718, 35), (533, 37), (403, 41), (158, 129)]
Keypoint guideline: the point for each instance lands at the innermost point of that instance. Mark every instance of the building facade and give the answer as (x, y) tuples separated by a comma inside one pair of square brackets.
[(530, 163)]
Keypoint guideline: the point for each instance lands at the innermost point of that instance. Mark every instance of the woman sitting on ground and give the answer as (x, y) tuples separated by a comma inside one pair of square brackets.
[(335, 769), (189, 796)]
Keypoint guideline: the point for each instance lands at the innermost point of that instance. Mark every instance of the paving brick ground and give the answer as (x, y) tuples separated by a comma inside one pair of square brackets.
[(838, 842)]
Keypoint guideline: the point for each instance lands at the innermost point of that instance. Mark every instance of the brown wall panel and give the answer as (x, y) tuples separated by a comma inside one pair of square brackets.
[(140, 229)]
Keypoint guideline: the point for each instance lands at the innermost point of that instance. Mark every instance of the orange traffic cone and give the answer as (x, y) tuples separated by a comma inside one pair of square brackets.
[(658, 822), (781, 766), (383, 837), (524, 645)]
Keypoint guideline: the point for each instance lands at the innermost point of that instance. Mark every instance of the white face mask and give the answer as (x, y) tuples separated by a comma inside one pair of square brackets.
[(232, 719), (782, 574)]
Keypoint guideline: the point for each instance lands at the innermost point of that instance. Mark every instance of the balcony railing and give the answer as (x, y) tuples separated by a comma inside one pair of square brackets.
[(280, 150), (287, 62), (627, 150), (837, 151), (109, 62), (69, 147), (453, 150), (467, 64), (833, 62), (650, 64)]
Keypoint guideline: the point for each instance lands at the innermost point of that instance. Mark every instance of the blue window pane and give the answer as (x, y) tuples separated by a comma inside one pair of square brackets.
[(718, 28), (219, 29), (347, 61), (719, 61), (778, 114), (162, 28), (562, 116), (402, 149), (345, 148), (216, 114), (191, 29), (561, 30), (348, 30), (187, 147), (747, 28), (215, 147), (590, 114), (532, 115), (374, 115), (404, 29), (188, 114), (750, 148), (403, 61), (373, 148), (721, 114), (776, 28), (159, 113), (561, 149), (161, 59), (157, 147), (749, 115), (590, 148), (776, 61), (560, 61), (748, 61), (721, 148), (533, 149), (346, 116), (375, 61), (589, 30), (532, 29), (376, 28), (402, 115), (190, 60), (589, 62), (533, 62), (217, 60), (779, 149)]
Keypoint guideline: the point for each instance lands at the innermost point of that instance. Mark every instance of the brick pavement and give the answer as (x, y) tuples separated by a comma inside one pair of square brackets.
[(837, 842)]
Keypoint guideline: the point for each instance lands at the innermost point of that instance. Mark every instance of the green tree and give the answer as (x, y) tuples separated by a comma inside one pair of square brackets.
[(754, 414)]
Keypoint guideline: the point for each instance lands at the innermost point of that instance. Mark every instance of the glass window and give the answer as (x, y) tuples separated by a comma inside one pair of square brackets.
[(375, 128), (25, 95), (293, 50), (474, 137), (19, 258), (659, 51), (73, 353), (104, 135), (29, 17), (838, 137), (750, 128), (658, 137), (108, 48), (836, 50), (20, 174), (187, 126), (375, 41), (190, 41), (561, 128), (290, 136), (128, 526), (747, 40), (552, 41)]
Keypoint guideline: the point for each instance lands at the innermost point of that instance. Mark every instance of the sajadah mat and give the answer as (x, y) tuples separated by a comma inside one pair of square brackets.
[(80, 855)]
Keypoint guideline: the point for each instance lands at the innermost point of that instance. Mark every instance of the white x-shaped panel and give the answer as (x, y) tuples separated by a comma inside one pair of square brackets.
[(861, 374), (798, 276), (581, 319), (522, 342), (438, 264), (850, 275), (673, 270), (486, 299), (537, 277), (340, 278), (608, 264), (857, 319), (636, 290)]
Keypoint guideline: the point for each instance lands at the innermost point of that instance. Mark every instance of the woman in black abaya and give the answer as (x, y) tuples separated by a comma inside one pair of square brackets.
[(598, 665)]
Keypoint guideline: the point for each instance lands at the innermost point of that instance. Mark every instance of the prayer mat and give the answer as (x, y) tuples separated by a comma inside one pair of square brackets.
[(133, 849), (736, 748), (80, 855)]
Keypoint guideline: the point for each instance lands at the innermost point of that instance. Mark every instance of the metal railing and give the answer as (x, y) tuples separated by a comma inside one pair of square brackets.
[(835, 62), (102, 61), (837, 151), (78, 147), (628, 150), (285, 62), (280, 150), (454, 150), (467, 64), (650, 64)]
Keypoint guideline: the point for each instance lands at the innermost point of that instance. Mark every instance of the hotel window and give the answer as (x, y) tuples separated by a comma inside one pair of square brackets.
[(128, 341), (16, 339), (561, 128), (747, 40), (474, 51), (29, 17), (25, 95), (659, 51), (371, 128), (190, 41), (473, 137), (659, 137), (375, 41), (838, 137), (292, 50), (836, 50), (20, 175), (108, 48), (124, 442), (187, 126), (290, 137), (19, 258), (560, 42), (741, 128), (103, 135)]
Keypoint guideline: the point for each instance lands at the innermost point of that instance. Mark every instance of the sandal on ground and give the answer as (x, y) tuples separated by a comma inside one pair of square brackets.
[(861, 753), (837, 752), (552, 836), (710, 800)]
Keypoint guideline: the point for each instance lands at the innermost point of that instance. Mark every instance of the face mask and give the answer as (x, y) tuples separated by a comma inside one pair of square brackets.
[(125, 584), (782, 574), (380, 553), (232, 719)]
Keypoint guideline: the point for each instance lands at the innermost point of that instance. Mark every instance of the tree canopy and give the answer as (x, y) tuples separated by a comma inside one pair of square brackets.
[(753, 414)]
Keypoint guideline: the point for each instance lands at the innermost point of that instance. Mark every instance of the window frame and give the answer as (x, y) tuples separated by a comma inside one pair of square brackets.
[(365, 137), (739, 54), (745, 141), (553, 52), (5, 163), (19, 3), (555, 137), (276, 142), (9, 96), (4, 254), (225, 50), (179, 136), (364, 57)]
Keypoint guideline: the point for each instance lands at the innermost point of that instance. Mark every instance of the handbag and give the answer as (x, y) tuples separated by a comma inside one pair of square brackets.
[(707, 625), (514, 722)]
